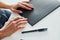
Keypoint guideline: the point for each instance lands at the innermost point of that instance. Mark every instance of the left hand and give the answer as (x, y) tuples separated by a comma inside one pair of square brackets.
[(24, 5), (12, 25)]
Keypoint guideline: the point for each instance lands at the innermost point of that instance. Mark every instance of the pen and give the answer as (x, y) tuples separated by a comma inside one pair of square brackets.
[(36, 30)]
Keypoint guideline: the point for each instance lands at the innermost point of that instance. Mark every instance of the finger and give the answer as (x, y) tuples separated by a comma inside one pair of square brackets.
[(16, 18), (11, 20), (21, 26), (25, 7), (28, 5), (25, 19), (18, 27), (22, 22)]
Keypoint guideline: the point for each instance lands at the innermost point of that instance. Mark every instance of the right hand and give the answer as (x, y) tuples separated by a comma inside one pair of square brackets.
[(13, 25)]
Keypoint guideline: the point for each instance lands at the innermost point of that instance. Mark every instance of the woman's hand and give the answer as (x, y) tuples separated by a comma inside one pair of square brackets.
[(13, 25), (13, 7), (23, 5)]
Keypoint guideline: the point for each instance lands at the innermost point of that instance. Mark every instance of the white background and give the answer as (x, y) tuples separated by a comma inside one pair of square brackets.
[(52, 22)]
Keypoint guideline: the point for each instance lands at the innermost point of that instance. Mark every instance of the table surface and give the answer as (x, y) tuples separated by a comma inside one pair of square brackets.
[(52, 22)]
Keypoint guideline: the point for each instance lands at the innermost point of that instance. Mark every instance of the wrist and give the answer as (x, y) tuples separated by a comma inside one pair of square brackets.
[(2, 34), (4, 5), (8, 6)]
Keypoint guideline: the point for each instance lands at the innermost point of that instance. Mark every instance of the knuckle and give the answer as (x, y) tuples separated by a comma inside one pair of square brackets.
[(11, 19), (18, 17), (18, 3)]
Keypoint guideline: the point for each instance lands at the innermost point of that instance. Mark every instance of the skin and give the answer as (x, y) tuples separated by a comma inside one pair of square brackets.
[(21, 5), (13, 7), (11, 26)]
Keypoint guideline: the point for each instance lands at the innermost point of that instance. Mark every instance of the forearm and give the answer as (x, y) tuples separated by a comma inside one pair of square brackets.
[(4, 5)]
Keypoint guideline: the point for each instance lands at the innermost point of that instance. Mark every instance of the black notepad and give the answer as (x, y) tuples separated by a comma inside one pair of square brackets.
[(41, 9)]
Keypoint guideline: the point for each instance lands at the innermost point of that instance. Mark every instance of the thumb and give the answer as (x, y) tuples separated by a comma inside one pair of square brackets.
[(17, 11)]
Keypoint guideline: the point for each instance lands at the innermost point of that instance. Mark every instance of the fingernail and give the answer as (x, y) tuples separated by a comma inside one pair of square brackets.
[(22, 26), (30, 8), (20, 12)]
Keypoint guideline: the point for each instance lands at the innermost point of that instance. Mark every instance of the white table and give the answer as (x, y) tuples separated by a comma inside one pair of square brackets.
[(52, 22)]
